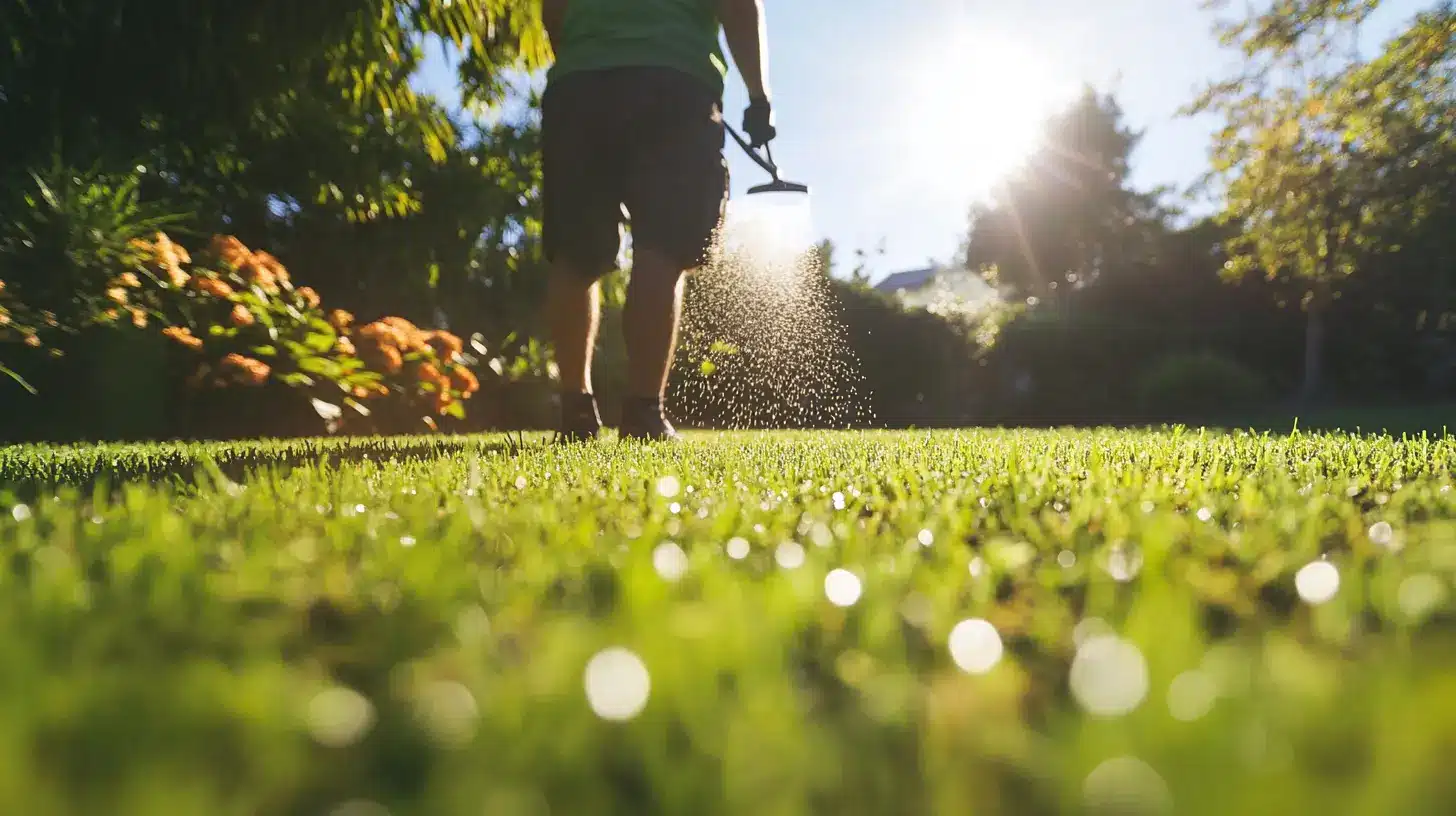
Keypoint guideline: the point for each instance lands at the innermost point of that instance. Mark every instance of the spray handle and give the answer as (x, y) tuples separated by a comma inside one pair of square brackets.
[(766, 163)]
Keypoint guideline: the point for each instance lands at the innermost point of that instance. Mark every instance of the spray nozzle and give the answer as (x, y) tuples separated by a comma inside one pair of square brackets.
[(766, 161)]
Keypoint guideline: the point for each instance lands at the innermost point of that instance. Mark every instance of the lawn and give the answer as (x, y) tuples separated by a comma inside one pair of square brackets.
[(779, 623)]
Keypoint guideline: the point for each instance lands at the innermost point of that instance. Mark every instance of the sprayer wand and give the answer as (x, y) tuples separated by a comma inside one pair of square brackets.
[(765, 161)]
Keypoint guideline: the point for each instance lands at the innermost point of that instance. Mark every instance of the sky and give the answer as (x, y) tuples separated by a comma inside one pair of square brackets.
[(900, 113)]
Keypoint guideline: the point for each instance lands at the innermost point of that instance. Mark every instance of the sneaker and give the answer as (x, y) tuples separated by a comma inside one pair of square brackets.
[(645, 420), (580, 421)]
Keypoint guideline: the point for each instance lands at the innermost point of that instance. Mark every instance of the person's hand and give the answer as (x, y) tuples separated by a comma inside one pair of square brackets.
[(758, 122)]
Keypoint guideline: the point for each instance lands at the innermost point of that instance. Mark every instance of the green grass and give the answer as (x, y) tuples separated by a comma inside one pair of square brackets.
[(405, 627)]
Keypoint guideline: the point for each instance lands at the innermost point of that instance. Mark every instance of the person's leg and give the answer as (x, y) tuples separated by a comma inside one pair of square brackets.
[(676, 191), (654, 305), (573, 311), (581, 186)]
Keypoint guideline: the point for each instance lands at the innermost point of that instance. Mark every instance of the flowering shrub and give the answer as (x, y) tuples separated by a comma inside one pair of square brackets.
[(247, 325)]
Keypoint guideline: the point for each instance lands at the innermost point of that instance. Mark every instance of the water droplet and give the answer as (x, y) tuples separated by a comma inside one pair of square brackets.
[(1383, 535), (21, 512), (737, 548), (1420, 595), (821, 535), (926, 538), (1126, 786), (407, 541), (1067, 559), (617, 684), (1089, 628), (842, 587), (978, 567), (674, 508), (1317, 582), (668, 487), (521, 483), (1109, 676), (1204, 514), (789, 555), (838, 500), (1122, 565), (975, 646), (1191, 695), (339, 716), (670, 561), (1149, 507), (448, 711)]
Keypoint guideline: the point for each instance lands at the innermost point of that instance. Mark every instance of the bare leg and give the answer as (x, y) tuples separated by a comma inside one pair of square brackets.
[(573, 306), (654, 304)]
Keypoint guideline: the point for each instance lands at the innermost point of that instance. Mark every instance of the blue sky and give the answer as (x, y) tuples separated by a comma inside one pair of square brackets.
[(882, 104)]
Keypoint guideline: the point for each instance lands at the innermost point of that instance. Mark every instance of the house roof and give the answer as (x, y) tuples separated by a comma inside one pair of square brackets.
[(913, 279)]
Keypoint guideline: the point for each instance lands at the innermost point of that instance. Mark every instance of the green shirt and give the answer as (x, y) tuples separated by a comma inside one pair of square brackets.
[(678, 34)]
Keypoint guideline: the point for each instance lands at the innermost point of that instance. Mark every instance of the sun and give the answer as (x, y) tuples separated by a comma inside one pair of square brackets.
[(974, 112)]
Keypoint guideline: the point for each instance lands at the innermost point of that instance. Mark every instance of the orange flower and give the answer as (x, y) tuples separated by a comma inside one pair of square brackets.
[(212, 286), (340, 320), (183, 335), (443, 400), (463, 380), (111, 314), (4, 317), (445, 344), (241, 317), (32, 341), (170, 257), (428, 373), (129, 280), (309, 297), (346, 346), (246, 370), (116, 294), (231, 251), (139, 318), (272, 266), (393, 360)]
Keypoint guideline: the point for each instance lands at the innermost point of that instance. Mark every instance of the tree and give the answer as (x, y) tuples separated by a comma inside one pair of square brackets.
[(1314, 157), (1069, 214)]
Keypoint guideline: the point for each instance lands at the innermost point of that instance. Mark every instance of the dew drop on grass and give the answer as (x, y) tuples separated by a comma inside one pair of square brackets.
[(339, 716), (975, 646), (670, 561), (1191, 695), (617, 684), (1126, 786), (737, 548), (448, 712), (925, 537), (1066, 559), (1122, 565), (1317, 582), (406, 541), (789, 555), (821, 535), (1420, 595), (1383, 535), (668, 487), (1204, 514), (1109, 676), (977, 567), (842, 587), (20, 512)]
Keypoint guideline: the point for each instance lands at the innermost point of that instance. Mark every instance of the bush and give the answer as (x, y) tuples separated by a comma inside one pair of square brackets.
[(1200, 384)]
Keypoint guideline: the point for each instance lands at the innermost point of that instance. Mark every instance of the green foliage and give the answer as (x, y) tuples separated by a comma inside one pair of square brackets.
[(1200, 384), (408, 625), (74, 233)]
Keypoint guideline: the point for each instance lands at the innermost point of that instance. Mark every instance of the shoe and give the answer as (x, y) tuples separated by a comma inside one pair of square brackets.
[(643, 419), (580, 421)]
